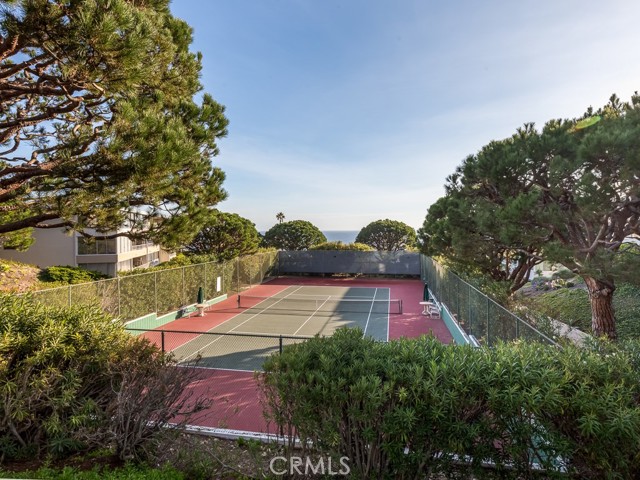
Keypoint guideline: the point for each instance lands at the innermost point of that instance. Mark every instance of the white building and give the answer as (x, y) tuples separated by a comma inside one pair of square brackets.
[(108, 256)]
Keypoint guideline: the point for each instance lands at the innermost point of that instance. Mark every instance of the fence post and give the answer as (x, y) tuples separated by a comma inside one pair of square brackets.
[(517, 327), (469, 312), (184, 293), (119, 299), (488, 340), (262, 267), (280, 344), (458, 297), (238, 274), (162, 340), (205, 280), (69, 296)]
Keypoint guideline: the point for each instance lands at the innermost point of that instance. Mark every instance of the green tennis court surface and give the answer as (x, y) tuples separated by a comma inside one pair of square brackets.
[(260, 326)]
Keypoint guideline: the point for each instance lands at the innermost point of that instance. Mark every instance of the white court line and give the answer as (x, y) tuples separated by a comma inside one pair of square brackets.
[(275, 335), (336, 297), (311, 316), (239, 325), (212, 328), (373, 301)]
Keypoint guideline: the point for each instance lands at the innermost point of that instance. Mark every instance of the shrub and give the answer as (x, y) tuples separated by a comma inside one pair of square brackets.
[(128, 472), (563, 274), (359, 247), (72, 378), (70, 275), (412, 408)]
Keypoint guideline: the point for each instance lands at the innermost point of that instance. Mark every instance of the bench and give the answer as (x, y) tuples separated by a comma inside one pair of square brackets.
[(430, 309)]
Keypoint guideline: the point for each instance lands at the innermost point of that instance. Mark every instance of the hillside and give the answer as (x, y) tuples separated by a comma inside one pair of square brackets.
[(18, 277), (571, 306)]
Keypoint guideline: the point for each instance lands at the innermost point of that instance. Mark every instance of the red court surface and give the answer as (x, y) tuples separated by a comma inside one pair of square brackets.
[(236, 404), (410, 324)]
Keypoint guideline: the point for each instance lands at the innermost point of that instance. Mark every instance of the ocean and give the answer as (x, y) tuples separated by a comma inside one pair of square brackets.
[(345, 236)]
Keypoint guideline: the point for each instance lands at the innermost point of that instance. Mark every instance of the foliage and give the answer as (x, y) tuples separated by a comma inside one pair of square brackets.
[(179, 456), (387, 235), (70, 275), (566, 194), (225, 236), (72, 378), (128, 472), (469, 240), (413, 408), (152, 395), (359, 247), (293, 235), (99, 125), (572, 307), (164, 288), (563, 274)]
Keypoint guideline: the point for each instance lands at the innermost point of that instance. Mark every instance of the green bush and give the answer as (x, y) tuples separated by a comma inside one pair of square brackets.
[(563, 274), (128, 472), (413, 408), (72, 378), (52, 358), (359, 247), (70, 275)]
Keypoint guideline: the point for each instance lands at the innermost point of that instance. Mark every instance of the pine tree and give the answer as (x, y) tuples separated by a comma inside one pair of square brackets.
[(98, 126)]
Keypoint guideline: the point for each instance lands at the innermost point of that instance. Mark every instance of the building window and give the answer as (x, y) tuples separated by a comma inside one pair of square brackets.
[(96, 246), (137, 244), (146, 260)]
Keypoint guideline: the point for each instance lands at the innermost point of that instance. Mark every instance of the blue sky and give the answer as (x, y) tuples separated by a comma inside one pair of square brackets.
[(346, 112)]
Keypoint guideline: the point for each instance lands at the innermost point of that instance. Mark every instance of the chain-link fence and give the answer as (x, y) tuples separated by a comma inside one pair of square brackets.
[(474, 311), (227, 350), (165, 290)]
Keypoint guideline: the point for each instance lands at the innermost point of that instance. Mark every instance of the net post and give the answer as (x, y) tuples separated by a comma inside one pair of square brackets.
[(280, 344), (238, 300), (401, 308), (162, 340)]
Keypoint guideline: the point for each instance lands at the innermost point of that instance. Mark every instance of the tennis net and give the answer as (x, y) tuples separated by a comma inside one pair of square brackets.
[(330, 305)]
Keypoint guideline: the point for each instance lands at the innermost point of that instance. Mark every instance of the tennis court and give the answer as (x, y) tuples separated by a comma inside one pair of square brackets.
[(254, 327)]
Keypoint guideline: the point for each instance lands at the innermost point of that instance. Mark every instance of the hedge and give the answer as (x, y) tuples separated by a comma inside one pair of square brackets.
[(415, 408)]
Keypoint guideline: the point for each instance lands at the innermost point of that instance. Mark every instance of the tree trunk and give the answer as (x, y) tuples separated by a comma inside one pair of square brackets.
[(603, 320)]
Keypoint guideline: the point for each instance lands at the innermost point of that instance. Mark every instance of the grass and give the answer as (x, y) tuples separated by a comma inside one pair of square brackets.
[(128, 472), (185, 456)]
